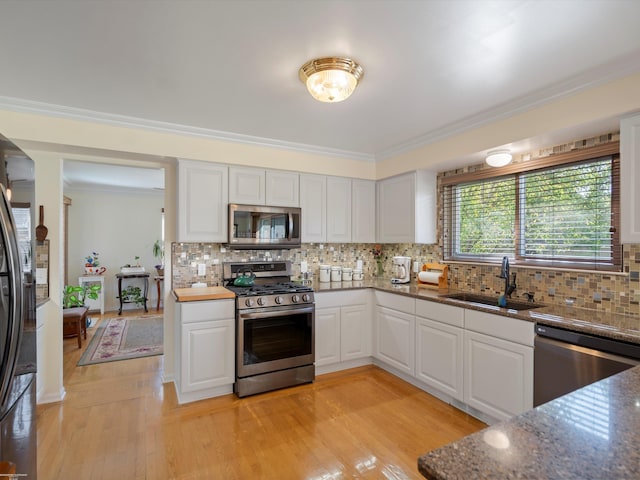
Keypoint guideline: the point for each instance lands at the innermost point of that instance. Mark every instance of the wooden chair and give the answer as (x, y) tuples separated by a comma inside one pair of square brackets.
[(74, 323)]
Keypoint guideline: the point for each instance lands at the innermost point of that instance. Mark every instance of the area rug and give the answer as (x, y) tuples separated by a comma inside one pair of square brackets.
[(123, 338)]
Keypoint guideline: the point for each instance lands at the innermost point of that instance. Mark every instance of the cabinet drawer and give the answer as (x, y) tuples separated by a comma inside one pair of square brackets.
[(212, 310), (442, 313), (396, 302), (342, 298), (507, 328)]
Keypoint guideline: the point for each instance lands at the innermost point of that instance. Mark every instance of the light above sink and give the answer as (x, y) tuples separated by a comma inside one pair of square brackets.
[(487, 301)]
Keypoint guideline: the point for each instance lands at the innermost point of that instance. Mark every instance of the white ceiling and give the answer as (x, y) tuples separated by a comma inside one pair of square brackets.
[(230, 68)]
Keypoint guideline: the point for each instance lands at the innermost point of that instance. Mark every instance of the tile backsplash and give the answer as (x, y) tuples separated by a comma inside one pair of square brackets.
[(615, 293), (186, 257)]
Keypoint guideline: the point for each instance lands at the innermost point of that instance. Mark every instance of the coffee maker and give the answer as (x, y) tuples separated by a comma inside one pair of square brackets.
[(401, 270)]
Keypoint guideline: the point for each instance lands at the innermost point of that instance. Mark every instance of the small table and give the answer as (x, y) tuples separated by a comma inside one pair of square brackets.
[(159, 279), (124, 276)]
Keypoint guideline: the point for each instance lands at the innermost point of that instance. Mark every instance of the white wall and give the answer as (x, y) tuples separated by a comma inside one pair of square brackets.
[(119, 226)]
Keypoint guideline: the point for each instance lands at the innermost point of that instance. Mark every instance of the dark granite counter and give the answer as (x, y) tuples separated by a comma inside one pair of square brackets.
[(610, 325), (592, 433)]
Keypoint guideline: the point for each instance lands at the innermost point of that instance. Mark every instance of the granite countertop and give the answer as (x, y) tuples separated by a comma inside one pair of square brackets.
[(583, 320), (592, 433)]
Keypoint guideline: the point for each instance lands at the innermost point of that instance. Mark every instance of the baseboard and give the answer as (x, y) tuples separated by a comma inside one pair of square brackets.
[(52, 397), (336, 367), (188, 397)]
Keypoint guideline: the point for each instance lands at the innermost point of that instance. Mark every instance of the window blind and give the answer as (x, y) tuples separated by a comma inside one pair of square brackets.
[(565, 215)]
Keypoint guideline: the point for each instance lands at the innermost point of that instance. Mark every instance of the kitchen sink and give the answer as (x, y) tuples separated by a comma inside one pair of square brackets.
[(486, 300)]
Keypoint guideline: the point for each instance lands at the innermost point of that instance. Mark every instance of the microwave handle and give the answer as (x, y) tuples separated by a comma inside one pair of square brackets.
[(290, 233)]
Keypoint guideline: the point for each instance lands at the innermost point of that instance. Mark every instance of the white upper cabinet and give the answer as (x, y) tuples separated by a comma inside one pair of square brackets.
[(313, 202), (338, 210), (203, 196), (247, 185), (407, 208), (282, 188), (630, 179), (256, 186), (363, 211)]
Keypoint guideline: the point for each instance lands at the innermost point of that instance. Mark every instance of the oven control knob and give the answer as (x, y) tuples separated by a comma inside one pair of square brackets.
[(261, 301), (305, 297), (249, 302), (279, 299), (295, 298)]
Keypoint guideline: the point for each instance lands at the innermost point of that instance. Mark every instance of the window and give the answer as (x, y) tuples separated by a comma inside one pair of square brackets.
[(550, 213)]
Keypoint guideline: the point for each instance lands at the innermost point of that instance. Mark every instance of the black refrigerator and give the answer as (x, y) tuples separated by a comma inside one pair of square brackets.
[(18, 436)]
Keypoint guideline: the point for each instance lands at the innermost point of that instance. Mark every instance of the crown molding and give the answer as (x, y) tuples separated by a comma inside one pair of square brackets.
[(609, 72), (72, 113)]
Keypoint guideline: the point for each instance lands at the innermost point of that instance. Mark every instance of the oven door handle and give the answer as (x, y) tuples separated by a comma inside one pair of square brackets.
[(274, 313)]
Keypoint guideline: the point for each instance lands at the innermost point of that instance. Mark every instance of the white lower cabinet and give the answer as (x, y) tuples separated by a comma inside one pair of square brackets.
[(327, 335), (395, 331), (498, 371), (355, 331), (395, 344), (206, 348), (343, 327), (439, 347)]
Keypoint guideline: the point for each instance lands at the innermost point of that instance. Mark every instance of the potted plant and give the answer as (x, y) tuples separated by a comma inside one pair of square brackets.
[(134, 267), (133, 294), (74, 295), (158, 252)]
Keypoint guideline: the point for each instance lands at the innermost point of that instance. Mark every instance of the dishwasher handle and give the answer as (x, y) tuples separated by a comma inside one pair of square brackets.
[(590, 352), (609, 345)]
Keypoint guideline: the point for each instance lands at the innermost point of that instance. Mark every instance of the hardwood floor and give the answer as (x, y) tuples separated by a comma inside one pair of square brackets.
[(119, 421)]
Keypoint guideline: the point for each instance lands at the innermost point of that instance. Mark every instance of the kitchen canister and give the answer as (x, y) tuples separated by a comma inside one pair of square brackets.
[(325, 274), (347, 274), (357, 274), (336, 274)]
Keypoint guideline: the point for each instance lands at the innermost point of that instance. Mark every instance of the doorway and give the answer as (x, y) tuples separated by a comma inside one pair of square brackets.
[(114, 215)]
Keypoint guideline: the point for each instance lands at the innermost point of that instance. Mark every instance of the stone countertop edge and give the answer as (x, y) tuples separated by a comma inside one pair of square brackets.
[(610, 325), (592, 433), (583, 320)]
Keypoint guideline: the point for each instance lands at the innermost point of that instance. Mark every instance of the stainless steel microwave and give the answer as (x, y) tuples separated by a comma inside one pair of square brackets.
[(259, 226)]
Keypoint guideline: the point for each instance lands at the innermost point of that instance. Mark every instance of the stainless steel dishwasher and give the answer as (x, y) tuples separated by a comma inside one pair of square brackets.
[(564, 361)]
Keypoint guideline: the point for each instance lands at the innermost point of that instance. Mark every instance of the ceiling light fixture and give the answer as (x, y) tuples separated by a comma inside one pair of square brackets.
[(331, 79), (498, 158)]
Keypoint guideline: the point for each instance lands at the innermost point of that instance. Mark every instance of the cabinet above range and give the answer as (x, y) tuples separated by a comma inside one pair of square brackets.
[(334, 209), (257, 186)]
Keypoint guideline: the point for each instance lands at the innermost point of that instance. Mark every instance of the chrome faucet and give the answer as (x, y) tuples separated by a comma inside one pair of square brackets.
[(504, 273)]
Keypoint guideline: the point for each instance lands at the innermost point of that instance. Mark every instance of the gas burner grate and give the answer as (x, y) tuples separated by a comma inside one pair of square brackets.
[(270, 289)]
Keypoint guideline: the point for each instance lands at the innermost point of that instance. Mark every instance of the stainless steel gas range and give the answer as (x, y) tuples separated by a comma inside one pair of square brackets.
[(275, 328)]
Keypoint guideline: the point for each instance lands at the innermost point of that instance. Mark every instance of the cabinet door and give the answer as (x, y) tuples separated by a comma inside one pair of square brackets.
[(313, 202), (395, 339), (283, 188), (202, 202), (355, 332), (247, 185), (498, 375), (338, 210), (327, 335), (208, 350), (439, 356), (396, 209), (630, 179), (363, 211)]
